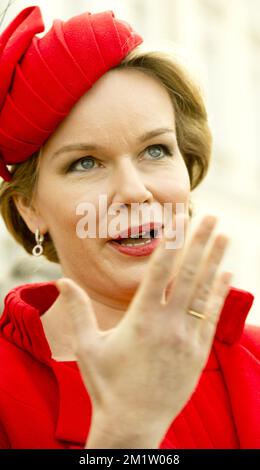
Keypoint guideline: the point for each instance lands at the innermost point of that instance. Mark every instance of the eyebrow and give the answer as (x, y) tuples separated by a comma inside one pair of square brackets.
[(85, 146)]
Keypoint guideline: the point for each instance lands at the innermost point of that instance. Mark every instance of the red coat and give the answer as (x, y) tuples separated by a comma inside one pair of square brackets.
[(44, 404)]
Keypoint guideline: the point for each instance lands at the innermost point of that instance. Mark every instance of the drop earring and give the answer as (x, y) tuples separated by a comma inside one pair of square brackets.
[(38, 248)]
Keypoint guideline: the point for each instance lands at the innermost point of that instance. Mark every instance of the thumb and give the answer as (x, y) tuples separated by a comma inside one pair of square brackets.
[(79, 308)]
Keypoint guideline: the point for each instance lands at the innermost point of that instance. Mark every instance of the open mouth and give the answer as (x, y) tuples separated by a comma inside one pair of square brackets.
[(138, 239)]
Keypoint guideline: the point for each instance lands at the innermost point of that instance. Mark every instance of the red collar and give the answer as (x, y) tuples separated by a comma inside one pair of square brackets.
[(20, 322)]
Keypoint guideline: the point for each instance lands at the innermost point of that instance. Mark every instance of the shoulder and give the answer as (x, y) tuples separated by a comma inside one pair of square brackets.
[(19, 372), (13, 364)]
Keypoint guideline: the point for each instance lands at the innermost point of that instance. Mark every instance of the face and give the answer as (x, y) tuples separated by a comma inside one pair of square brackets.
[(112, 117)]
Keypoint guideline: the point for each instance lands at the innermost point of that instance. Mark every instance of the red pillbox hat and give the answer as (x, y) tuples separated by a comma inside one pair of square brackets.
[(41, 78)]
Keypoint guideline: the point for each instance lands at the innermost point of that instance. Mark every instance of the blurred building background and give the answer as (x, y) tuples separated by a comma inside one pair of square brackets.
[(220, 42)]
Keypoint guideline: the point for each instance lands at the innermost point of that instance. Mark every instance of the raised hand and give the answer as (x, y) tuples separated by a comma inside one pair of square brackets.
[(142, 373)]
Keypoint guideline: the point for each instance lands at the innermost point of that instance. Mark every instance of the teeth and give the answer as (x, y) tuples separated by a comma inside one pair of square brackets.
[(137, 235), (137, 244), (136, 239), (145, 233)]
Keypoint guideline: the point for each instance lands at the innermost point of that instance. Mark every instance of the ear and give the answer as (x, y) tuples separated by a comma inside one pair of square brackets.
[(29, 214)]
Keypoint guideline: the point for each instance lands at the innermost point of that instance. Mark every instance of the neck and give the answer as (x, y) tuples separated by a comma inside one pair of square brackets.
[(58, 328)]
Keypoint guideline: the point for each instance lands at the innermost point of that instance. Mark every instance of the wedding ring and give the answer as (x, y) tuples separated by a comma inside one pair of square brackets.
[(196, 314)]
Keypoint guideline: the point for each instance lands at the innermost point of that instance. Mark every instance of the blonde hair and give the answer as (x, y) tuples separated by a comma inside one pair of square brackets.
[(193, 136)]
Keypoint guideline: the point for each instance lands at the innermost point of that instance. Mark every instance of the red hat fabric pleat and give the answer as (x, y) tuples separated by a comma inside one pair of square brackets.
[(42, 78)]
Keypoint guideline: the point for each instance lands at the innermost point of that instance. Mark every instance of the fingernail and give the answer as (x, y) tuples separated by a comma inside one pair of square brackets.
[(210, 221), (222, 241)]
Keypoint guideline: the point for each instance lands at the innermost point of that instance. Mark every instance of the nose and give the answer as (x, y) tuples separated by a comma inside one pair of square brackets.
[(128, 184)]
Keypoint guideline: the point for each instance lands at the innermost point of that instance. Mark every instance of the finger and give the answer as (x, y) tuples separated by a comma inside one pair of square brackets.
[(214, 306), (204, 284), (177, 263), (160, 269), (184, 282), (79, 308)]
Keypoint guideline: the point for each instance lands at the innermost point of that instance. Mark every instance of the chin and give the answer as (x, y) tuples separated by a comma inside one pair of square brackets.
[(128, 282)]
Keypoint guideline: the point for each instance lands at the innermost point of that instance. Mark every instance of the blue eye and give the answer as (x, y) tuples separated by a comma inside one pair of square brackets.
[(89, 163), (84, 163), (159, 151)]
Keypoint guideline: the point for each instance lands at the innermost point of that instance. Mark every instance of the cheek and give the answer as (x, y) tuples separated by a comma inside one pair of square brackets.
[(58, 211), (61, 202), (175, 187)]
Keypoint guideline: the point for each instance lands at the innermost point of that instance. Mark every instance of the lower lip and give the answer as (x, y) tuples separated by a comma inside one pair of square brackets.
[(135, 250)]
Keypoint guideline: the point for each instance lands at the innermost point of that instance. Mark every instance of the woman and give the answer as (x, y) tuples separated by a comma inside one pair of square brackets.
[(141, 344)]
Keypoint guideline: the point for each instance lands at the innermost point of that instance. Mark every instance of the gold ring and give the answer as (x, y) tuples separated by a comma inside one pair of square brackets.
[(196, 314)]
